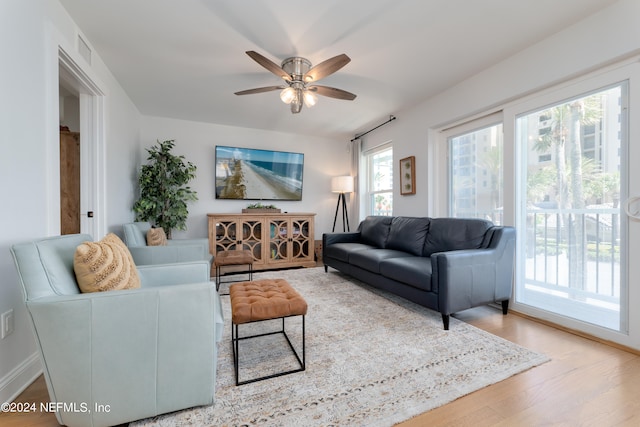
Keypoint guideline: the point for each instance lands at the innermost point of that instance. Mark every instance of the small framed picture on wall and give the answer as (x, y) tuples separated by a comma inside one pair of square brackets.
[(408, 175)]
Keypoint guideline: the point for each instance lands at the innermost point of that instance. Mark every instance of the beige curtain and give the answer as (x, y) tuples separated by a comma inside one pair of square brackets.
[(355, 149)]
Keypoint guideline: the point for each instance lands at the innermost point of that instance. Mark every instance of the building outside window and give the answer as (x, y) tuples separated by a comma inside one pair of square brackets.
[(475, 174)]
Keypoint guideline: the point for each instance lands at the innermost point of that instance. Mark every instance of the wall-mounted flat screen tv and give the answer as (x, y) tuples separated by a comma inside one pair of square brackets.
[(252, 174)]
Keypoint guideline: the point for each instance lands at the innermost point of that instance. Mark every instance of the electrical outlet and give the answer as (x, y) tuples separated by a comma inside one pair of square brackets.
[(7, 323)]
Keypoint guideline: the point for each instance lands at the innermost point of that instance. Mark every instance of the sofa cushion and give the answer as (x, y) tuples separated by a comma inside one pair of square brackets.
[(135, 233), (370, 259), (414, 271), (451, 234), (408, 234), (105, 265), (374, 230), (341, 251), (56, 255)]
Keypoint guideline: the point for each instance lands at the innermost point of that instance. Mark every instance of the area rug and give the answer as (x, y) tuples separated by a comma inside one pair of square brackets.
[(373, 359)]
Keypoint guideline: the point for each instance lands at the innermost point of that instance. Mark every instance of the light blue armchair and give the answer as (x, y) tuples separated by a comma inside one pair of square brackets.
[(132, 353), (177, 250)]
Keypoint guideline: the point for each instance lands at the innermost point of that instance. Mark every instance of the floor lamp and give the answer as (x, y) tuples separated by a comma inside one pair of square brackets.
[(341, 185)]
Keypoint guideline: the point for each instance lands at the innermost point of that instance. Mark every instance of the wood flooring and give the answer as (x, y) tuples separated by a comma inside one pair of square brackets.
[(587, 383)]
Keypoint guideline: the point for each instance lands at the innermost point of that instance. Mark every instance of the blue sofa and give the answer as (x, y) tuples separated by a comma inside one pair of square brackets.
[(445, 264)]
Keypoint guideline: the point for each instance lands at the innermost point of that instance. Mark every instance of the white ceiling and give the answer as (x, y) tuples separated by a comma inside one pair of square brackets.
[(185, 58)]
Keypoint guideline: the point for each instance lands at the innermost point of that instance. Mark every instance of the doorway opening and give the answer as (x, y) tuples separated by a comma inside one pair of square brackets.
[(69, 161), (82, 175)]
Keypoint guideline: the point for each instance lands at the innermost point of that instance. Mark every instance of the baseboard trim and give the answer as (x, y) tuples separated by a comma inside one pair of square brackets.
[(16, 381), (576, 332)]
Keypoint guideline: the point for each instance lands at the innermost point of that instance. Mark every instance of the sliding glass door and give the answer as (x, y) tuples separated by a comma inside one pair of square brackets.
[(572, 236)]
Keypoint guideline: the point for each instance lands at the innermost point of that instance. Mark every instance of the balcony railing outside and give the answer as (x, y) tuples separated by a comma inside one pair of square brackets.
[(554, 236)]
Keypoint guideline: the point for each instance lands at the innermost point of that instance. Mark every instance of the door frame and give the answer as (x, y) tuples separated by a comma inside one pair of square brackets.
[(74, 72), (626, 71)]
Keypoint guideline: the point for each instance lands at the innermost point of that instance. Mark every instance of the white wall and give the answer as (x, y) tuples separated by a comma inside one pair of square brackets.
[(598, 40), (324, 158), (30, 33)]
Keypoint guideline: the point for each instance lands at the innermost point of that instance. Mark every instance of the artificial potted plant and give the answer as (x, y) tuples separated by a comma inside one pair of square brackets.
[(164, 192)]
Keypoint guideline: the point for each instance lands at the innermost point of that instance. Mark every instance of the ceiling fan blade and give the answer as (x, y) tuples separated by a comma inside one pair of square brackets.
[(260, 90), (269, 65), (326, 68), (332, 92)]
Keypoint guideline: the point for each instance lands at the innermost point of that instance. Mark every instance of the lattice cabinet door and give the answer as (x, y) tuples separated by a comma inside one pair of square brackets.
[(252, 238), (279, 245), (237, 233), (302, 239), (290, 240), (226, 235)]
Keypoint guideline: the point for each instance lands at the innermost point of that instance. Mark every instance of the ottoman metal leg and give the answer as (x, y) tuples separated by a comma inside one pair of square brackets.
[(235, 340)]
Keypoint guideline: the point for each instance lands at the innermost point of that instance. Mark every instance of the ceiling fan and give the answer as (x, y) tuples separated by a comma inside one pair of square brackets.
[(300, 78)]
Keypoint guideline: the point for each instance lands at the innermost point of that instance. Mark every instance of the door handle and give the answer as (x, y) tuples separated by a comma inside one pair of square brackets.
[(632, 213)]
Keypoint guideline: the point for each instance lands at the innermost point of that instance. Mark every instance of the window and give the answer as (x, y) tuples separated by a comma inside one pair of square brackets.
[(379, 194), (475, 174)]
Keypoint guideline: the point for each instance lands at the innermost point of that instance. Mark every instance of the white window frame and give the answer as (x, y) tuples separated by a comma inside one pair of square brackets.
[(367, 158), (485, 121)]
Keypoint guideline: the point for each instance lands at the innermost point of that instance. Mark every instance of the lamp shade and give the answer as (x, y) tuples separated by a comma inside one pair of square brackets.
[(342, 184)]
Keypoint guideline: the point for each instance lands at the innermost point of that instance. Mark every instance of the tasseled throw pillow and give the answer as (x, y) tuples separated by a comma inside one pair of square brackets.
[(106, 265)]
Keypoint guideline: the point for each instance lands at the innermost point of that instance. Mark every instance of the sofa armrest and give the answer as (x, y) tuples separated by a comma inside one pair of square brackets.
[(134, 350), (171, 274), (145, 255), (333, 238), (471, 277), (203, 243), (181, 275)]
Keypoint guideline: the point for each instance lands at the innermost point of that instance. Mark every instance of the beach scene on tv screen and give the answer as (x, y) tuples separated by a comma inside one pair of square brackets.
[(252, 174)]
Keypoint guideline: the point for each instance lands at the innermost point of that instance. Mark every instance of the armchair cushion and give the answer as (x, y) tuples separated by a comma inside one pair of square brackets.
[(106, 265), (156, 237), (135, 233)]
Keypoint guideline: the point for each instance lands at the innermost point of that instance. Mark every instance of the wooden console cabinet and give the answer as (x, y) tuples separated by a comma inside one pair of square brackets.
[(277, 240)]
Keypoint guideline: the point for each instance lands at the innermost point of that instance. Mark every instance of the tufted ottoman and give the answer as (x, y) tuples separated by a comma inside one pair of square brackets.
[(260, 300), (232, 257)]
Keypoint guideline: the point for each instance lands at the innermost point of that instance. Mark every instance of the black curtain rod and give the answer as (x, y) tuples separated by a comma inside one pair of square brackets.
[(391, 118)]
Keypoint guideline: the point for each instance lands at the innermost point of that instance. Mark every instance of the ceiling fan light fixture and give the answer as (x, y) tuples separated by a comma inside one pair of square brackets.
[(310, 98), (296, 106), (288, 95), (298, 73)]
